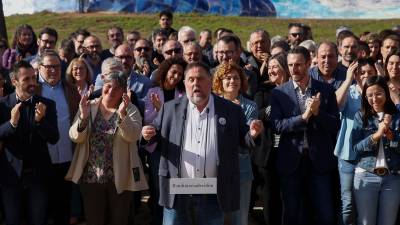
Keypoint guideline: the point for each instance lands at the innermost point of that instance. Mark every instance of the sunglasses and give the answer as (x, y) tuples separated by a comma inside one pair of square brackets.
[(174, 50), (295, 34), (139, 49)]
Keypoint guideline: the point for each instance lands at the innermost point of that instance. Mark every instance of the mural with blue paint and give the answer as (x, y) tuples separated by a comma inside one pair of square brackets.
[(376, 9), (221, 7)]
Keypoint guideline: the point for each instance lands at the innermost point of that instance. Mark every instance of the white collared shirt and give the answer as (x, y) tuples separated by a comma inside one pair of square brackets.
[(200, 142), (380, 159), (302, 100)]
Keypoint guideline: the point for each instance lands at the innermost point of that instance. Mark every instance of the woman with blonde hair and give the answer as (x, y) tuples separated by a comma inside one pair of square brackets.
[(80, 75)]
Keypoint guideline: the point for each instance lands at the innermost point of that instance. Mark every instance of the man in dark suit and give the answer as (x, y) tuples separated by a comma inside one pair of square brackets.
[(28, 124), (305, 114), (199, 137)]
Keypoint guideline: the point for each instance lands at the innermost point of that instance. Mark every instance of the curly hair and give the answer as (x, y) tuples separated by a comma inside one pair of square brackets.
[(222, 71), (163, 69)]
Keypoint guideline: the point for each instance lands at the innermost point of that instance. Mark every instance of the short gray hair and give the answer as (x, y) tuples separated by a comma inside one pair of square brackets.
[(118, 77), (185, 29), (191, 43), (264, 33), (110, 64), (310, 45)]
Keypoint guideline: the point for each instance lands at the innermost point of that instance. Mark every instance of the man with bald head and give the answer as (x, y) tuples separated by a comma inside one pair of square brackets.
[(136, 82), (92, 50), (328, 69)]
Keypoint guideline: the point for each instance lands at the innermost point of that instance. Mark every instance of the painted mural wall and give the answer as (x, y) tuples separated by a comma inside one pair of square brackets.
[(275, 8)]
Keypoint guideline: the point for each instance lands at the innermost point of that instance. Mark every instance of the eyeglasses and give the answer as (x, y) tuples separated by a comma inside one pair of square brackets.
[(51, 67), (139, 49), (174, 50)]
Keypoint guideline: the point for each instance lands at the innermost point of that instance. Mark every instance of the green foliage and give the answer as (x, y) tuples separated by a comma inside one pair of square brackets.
[(97, 23)]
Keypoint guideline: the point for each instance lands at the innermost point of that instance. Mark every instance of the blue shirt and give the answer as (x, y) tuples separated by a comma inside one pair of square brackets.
[(339, 75), (251, 113), (343, 148), (61, 151), (139, 84)]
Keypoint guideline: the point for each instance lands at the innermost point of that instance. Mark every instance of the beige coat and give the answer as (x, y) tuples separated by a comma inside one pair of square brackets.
[(125, 152)]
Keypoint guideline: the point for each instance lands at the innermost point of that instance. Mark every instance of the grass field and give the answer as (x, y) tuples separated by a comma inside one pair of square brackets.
[(97, 23)]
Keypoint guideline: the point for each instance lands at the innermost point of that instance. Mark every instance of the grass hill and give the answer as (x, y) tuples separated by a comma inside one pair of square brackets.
[(97, 23)]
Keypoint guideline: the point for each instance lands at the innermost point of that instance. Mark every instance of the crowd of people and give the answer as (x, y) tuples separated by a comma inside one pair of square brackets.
[(310, 130)]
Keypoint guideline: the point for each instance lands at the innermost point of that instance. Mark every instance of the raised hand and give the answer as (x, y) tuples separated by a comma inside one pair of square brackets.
[(387, 119), (351, 70), (308, 113), (382, 127), (40, 111), (84, 105), (155, 100), (148, 132), (146, 68), (256, 127), (316, 102), (264, 56), (123, 106), (15, 115), (379, 69)]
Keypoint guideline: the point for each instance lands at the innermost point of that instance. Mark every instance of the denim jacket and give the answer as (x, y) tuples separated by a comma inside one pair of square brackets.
[(367, 151)]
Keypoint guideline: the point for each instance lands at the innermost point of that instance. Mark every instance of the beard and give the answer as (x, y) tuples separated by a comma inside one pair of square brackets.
[(198, 99), (94, 56)]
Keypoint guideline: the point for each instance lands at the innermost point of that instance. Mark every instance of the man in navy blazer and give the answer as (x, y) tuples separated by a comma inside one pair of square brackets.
[(305, 114), (224, 119), (27, 123)]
